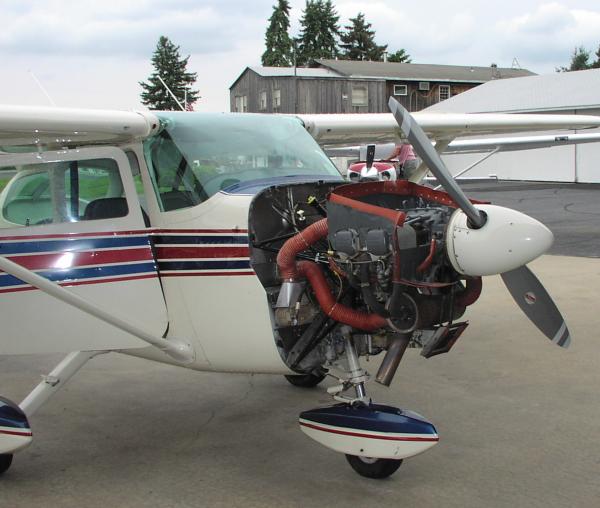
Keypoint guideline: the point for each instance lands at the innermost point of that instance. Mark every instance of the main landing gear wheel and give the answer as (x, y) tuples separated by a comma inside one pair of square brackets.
[(373, 468), (5, 462), (306, 380)]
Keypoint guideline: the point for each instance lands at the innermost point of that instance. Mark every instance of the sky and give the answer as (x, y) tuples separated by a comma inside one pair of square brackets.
[(91, 53)]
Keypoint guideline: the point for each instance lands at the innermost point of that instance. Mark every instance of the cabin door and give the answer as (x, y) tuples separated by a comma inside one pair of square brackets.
[(73, 216)]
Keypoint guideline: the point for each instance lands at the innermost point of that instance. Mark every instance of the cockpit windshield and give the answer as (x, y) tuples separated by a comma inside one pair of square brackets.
[(196, 155)]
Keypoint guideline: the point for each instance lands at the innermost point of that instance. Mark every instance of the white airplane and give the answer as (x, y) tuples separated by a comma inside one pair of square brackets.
[(230, 243)]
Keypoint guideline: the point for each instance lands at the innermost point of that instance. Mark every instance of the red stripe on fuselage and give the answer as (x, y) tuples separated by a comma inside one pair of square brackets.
[(201, 252), (371, 436), (65, 260), (16, 433)]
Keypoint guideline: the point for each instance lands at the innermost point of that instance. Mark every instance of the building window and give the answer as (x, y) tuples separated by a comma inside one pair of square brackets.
[(424, 85), (360, 95), (262, 101), (400, 90), (276, 101), (444, 92), (241, 103)]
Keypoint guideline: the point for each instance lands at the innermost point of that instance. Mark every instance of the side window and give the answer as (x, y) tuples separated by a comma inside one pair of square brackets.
[(56, 192), (174, 179)]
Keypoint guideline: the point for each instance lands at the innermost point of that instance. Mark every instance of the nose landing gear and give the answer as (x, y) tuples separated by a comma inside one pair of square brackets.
[(375, 438)]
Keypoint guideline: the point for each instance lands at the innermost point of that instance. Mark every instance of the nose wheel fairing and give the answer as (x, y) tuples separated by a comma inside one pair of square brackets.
[(369, 430), (15, 431)]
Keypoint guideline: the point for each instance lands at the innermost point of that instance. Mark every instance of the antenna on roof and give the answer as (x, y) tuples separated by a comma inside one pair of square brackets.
[(170, 92), (515, 63)]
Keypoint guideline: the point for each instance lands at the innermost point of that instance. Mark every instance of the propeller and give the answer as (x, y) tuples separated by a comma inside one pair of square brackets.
[(487, 240)]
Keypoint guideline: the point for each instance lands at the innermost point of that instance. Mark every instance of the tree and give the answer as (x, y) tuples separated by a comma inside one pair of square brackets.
[(596, 64), (169, 66), (579, 61), (279, 52), (358, 42), (400, 56), (318, 33)]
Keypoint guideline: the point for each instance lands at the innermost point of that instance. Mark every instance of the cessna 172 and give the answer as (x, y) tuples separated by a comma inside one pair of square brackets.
[(134, 228)]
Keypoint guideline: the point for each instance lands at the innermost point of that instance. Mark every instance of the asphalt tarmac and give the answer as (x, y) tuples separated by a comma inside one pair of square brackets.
[(518, 418)]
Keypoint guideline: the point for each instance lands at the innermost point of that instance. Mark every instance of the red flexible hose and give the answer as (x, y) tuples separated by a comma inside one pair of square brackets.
[(335, 310), (427, 261), (286, 258)]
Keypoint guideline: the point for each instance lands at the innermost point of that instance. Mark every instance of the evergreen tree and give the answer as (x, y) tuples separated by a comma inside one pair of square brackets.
[(596, 64), (279, 52), (358, 42), (400, 56), (319, 32), (172, 69), (579, 60)]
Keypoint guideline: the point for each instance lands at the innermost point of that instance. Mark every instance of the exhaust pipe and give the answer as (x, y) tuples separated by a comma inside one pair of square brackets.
[(391, 360)]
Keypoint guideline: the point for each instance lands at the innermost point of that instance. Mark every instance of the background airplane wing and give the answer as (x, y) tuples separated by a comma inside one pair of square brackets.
[(478, 145), (519, 143), (340, 129)]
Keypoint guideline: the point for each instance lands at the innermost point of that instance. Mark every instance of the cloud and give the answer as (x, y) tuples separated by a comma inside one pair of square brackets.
[(93, 52), (125, 28), (549, 33)]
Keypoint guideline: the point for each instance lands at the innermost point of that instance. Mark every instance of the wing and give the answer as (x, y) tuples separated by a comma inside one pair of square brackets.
[(32, 125), (344, 129), (519, 143), (478, 145)]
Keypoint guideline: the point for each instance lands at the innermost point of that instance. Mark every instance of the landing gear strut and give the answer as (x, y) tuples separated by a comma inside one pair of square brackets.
[(365, 466)]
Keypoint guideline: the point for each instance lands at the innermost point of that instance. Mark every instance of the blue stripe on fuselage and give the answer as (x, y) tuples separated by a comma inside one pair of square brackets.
[(204, 265), (76, 274)]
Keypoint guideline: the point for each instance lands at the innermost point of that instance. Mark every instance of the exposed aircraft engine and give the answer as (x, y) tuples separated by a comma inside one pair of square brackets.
[(366, 259)]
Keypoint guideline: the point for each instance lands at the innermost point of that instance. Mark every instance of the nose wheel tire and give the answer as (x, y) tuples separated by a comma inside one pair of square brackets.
[(5, 462), (305, 380), (373, 468)]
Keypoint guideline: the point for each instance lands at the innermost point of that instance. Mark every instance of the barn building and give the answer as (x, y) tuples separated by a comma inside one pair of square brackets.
[(558, 93), (344, 86)]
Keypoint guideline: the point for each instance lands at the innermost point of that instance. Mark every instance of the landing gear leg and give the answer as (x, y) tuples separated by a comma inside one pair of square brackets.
[(374, 438), (357, 374), (365, 466)]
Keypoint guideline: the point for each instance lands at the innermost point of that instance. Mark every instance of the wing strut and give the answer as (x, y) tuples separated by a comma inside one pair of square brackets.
[(471, 166), (419, 174)]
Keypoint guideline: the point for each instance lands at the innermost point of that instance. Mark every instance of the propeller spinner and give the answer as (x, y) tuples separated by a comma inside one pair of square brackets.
[(488, 240)]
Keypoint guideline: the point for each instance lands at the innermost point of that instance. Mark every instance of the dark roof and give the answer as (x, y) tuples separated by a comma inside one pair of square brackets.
[(421, 72)]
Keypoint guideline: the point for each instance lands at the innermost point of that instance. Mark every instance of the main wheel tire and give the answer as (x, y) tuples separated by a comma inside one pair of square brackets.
[(5, 462), (306, 380), (373, 468)]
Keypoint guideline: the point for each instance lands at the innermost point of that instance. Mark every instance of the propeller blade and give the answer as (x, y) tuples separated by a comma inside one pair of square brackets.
[(537, 305), (422, 145)]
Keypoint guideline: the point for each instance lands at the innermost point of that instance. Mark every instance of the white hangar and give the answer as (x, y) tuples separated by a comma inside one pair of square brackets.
[(566, 92)]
